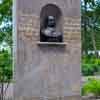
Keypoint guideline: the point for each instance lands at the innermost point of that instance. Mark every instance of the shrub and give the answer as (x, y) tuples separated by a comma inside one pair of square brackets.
[(89, 69), (91, 86), (90, 65), (5, 66)]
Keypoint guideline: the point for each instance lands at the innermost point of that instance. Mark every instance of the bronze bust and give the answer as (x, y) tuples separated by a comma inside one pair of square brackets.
[(48, 33)]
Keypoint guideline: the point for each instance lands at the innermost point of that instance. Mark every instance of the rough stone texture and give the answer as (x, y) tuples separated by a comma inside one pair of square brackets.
[(46, 72), (52, 98)]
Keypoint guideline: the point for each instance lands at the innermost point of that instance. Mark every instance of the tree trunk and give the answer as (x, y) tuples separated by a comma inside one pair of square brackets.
[(2, 91), (94, 43)]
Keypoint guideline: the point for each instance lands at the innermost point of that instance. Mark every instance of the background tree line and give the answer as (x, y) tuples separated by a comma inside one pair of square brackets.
[(5, 38), (90, 13)]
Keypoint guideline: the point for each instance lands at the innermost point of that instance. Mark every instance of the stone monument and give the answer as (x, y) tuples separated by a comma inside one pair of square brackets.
[(47, 49)]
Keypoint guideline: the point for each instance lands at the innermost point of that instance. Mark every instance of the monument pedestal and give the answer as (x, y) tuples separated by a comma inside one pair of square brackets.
[(53, 98), (46, 70)]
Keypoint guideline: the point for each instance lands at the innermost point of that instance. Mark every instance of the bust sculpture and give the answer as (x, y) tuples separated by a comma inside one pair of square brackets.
[(49, 33)]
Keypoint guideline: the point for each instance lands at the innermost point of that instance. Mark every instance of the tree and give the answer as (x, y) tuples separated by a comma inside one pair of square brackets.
[(5, 37), (90, 25), (5, 71), (6, 21)]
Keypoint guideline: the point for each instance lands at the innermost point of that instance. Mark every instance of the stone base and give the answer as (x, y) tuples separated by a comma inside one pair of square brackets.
[(51, 98)]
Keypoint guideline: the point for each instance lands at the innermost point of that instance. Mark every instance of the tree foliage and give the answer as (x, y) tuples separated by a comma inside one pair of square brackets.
[(5, 71), (6, 21), (90, 65), (91, 86), (90, 25), (5, 37), (5, 66)]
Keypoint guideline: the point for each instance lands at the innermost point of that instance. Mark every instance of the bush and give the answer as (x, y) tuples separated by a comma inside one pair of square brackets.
[(5, 66), (90, 65), (89, 69), (91, 86)]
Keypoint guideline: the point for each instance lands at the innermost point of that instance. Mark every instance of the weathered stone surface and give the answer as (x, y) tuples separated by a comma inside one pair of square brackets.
[(52, 98), (49, 72), (72, 29)]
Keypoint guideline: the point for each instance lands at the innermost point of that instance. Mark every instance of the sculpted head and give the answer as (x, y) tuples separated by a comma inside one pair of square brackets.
[(51, 22)]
